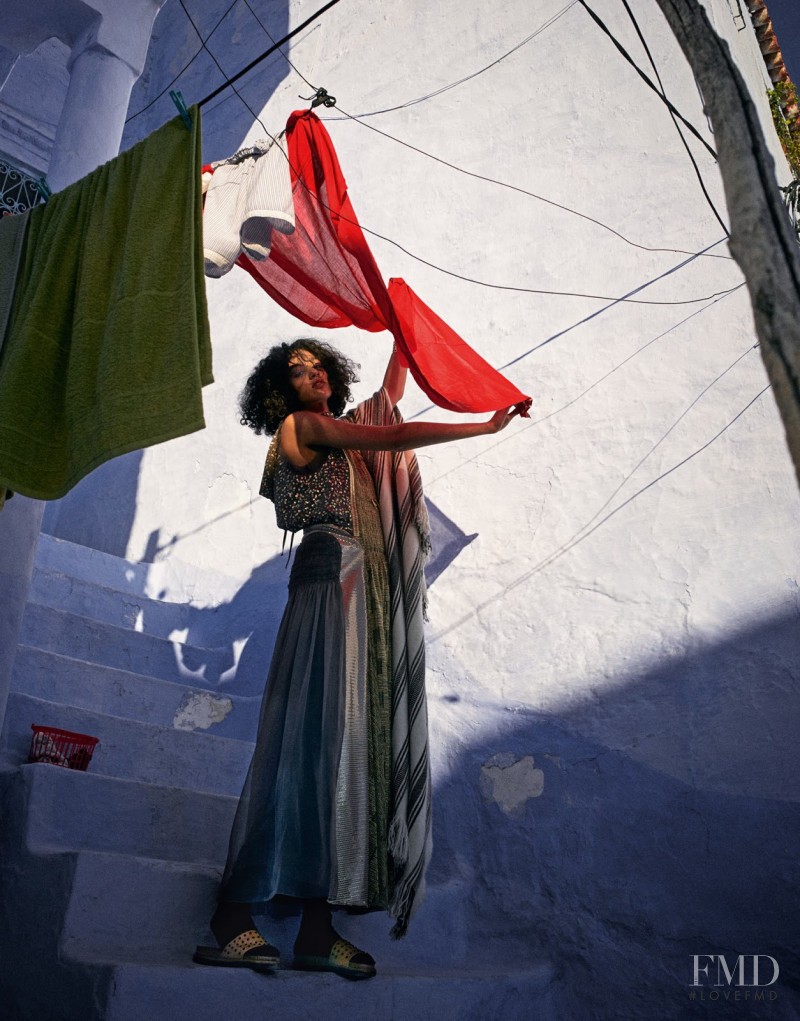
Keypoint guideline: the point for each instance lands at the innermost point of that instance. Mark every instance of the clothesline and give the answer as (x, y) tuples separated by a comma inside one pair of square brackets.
[(276, 46), (324, 274), (482, 177)]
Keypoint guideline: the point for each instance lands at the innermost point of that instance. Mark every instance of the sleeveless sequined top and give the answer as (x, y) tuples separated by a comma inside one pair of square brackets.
[(318, 494)]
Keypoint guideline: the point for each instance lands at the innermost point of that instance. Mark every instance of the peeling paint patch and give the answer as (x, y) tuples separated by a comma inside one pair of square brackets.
[(511, 782), (201, 710)]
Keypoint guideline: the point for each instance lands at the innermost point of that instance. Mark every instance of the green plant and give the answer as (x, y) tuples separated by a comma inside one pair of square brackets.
[(785, 94)]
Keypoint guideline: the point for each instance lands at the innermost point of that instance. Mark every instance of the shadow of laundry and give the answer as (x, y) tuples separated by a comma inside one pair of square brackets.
[(447, 541)]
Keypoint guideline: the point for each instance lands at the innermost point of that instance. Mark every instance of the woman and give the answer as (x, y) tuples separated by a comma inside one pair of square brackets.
[(335, 809)]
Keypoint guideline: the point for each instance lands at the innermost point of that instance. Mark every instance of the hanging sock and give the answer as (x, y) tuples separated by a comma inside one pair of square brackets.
[(249, 196), (223, 213), (269, 204)]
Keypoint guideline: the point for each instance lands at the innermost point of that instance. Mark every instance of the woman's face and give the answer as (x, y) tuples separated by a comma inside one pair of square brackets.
[(309, 379)]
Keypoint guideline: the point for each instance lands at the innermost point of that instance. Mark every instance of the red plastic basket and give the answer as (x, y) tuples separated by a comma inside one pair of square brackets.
[(61, 747)]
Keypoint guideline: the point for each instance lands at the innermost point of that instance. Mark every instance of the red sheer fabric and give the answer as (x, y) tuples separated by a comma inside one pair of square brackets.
[(325, 275)]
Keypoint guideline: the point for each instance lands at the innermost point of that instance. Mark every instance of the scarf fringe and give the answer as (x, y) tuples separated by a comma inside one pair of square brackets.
[(406, 898), (398, 841)]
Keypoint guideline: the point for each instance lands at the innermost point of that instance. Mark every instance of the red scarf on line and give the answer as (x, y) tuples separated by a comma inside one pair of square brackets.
[(325, 275)]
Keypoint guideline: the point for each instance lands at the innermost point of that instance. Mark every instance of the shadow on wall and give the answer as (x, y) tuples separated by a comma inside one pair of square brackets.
[(230, 645), (100, 510), (177, 60), (551, 846), (245, 627), (447, 541)]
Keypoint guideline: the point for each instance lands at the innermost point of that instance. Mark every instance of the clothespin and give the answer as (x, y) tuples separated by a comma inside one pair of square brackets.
[(178, 100), (320, 98), (43, 188)]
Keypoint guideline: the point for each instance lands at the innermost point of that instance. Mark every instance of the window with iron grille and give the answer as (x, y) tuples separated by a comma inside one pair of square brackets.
[(18, 190)]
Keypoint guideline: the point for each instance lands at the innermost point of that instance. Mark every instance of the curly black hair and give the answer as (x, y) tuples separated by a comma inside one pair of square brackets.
[(268, 396)]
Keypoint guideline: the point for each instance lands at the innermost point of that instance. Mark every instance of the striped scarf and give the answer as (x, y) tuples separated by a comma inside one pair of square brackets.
[(406, 532)]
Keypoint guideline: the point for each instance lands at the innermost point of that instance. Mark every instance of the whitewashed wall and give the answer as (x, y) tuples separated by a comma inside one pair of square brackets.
[(634, 578), (710, 548)]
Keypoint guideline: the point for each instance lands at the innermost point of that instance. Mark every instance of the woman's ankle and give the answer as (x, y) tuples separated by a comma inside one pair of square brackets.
[(316, 935), (229, 920)]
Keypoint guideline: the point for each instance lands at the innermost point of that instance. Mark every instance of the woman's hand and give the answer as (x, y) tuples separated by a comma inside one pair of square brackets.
[(501, 418)]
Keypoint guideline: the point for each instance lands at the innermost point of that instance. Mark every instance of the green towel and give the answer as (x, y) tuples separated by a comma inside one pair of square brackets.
[(108, 343), (12, 236)]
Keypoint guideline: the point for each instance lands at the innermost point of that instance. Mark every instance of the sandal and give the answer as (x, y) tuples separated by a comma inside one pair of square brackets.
[(341, 960), (247, 950)]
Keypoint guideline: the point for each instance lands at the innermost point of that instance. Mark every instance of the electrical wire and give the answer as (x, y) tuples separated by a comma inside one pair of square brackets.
[(475, 74), (512, 187), (564, 294), (358, 118), (272, 49), (187, 66), (557, 411), (675, 121), (509, 287), (469, 173), (583, 535), (596, 18)]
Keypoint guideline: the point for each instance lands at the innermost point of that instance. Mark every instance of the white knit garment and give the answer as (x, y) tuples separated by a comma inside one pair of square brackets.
[(245, 201)]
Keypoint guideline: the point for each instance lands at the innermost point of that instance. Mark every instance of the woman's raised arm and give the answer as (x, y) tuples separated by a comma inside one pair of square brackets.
[(394, 379)]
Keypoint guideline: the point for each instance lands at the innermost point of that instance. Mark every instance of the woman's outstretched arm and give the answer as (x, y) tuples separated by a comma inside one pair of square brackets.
[(394, 380), (304, 432)]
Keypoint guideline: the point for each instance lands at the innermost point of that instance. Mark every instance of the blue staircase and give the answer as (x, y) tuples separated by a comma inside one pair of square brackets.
[(109, 876)]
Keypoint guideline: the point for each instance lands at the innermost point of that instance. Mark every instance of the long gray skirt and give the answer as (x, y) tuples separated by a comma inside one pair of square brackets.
[(302, 825)]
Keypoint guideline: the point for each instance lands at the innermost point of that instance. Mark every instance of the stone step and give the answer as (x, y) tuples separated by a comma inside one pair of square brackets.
[(90, 599), (93, 641), (249, 622), (132, 750), (122, 907), (93, 565), (62, 679), (65, 809), (212, 605), (169, 579), (103, 902), (208, 994)]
